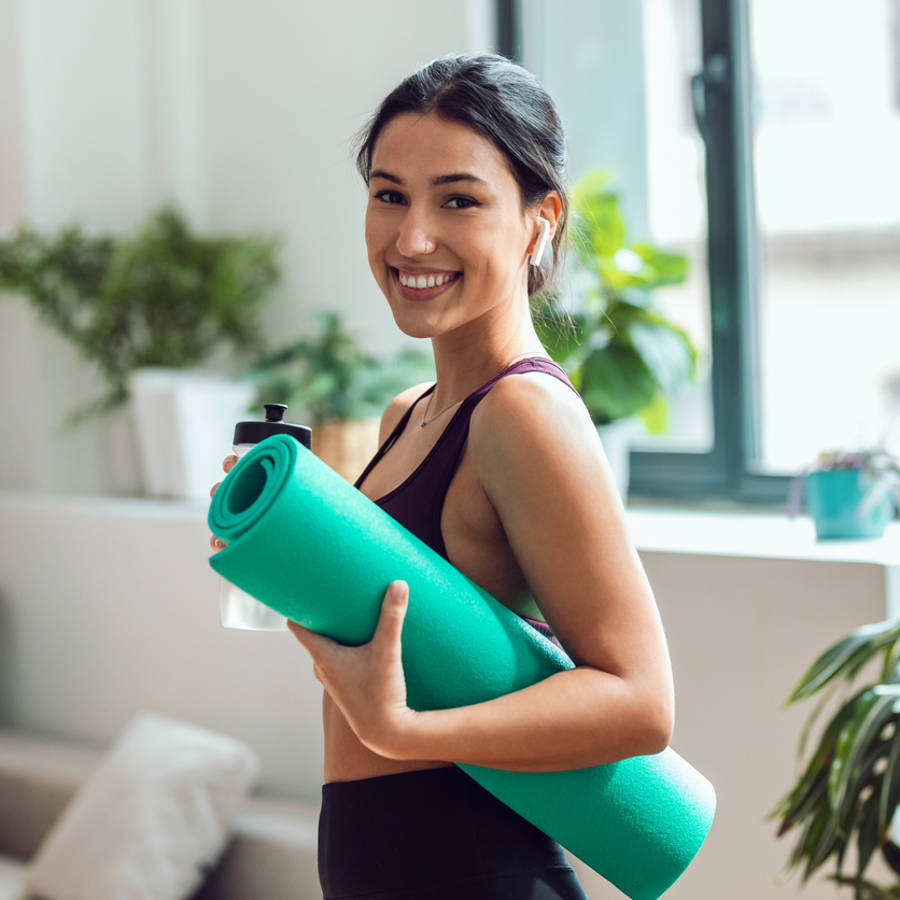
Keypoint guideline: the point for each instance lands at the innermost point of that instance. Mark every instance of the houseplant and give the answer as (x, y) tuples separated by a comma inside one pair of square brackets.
[(340, 389), (849, 493), (621, 354), (162, 297), (850, 788), (148, 304)]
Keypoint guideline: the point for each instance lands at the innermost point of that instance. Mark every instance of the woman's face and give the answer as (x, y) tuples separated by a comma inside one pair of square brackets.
[(467, 226)]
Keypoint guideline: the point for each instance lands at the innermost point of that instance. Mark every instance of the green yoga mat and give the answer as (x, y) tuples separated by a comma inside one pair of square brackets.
[(304, 541)]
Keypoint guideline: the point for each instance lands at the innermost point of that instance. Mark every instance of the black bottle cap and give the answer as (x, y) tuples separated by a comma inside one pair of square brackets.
[(254, 432)]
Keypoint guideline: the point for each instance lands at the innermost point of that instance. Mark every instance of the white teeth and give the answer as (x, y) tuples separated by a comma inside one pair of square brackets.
[(424, 281)]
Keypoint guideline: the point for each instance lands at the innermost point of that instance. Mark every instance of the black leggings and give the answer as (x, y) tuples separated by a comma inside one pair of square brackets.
[(434, 834)]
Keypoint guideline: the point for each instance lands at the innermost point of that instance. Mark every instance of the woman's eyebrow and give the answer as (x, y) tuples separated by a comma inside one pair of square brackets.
[(438, 179)]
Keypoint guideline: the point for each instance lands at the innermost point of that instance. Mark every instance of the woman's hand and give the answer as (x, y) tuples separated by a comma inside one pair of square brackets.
[(227, 465), (367, 682)]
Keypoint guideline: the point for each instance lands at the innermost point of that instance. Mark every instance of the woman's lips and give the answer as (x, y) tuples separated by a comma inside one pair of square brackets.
[(421, 293)]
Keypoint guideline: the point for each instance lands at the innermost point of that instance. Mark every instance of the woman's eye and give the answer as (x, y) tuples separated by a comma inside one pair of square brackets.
[(464, 200), (381, 194), (385, 194)]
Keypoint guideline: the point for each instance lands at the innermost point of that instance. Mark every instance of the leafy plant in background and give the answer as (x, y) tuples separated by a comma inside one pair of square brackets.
[(621, 354), (162, 297), (331, 378), (851, 785)]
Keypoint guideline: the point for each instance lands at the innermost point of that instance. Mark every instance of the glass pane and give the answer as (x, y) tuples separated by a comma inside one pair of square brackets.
[(620, 73), (827, 170)]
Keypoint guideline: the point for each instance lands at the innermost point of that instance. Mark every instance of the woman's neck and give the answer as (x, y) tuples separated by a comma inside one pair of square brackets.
[(459, 376)]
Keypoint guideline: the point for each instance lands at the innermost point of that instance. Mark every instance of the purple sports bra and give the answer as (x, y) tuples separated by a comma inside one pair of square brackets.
[(416, 503)]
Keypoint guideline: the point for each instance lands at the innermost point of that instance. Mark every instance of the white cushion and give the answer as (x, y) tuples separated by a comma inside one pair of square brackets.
[(12, 878), (150, 820)]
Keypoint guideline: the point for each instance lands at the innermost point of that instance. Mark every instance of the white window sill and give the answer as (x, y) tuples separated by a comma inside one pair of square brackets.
[(685, 529), (769, 535)]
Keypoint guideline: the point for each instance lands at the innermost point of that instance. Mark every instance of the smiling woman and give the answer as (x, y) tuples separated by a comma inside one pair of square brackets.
[(465, 165)]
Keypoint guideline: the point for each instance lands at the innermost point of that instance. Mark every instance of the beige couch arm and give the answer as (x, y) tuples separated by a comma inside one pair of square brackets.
[(38, 777)]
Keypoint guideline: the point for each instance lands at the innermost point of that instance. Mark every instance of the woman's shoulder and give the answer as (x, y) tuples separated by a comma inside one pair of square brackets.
[(532, 400), (528, 426)]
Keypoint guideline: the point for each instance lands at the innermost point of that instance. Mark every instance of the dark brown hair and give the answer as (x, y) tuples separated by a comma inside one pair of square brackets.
[(510, 107)]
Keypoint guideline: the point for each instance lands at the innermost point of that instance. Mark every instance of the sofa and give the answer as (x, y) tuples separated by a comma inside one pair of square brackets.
[(271, 850)]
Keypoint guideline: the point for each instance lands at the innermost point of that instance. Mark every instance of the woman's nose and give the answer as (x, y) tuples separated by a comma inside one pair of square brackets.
[(416, 234)]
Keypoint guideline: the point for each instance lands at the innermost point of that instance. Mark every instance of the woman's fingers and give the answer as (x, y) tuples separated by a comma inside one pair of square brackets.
[(227, 464)]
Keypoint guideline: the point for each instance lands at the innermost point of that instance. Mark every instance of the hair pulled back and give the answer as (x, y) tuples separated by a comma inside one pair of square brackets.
[(511, 108)]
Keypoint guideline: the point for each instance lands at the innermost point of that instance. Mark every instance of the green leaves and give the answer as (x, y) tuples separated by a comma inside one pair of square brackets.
[(852, 782), (330, 377), (159, 297), (664, 347), (615, 381), (598, 236), (660, 268), (561, 335), (598, 209)]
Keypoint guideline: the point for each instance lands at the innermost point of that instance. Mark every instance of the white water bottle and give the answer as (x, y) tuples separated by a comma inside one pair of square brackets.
[(237, 608)]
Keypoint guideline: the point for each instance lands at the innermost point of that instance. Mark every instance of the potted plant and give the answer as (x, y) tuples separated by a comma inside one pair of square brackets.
[(146, 308), (341, 389), (621, 354), (850, 788), (849, 493)]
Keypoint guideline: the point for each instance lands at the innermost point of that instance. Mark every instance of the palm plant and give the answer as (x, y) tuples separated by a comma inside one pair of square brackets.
[(851, 785)]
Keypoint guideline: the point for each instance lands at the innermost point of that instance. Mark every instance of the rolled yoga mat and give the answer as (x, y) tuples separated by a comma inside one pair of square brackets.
[(304, 541)]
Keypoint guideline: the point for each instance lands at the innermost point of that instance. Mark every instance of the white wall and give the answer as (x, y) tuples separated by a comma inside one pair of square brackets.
[(243, 112)]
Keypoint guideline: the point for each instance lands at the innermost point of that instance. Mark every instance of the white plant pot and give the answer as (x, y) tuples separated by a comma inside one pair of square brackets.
[(185, 425), (616, 440)]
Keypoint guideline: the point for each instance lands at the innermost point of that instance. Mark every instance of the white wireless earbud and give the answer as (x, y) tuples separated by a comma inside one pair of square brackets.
[(541, 242)]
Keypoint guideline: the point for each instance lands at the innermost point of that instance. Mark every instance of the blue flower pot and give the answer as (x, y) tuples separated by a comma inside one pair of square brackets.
[(833, 499)]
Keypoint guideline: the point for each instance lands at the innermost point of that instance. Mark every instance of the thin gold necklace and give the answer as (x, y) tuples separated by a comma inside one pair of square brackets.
[(423, 423)]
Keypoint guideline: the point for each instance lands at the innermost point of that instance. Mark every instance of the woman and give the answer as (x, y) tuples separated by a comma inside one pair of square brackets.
[(463, 161)]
